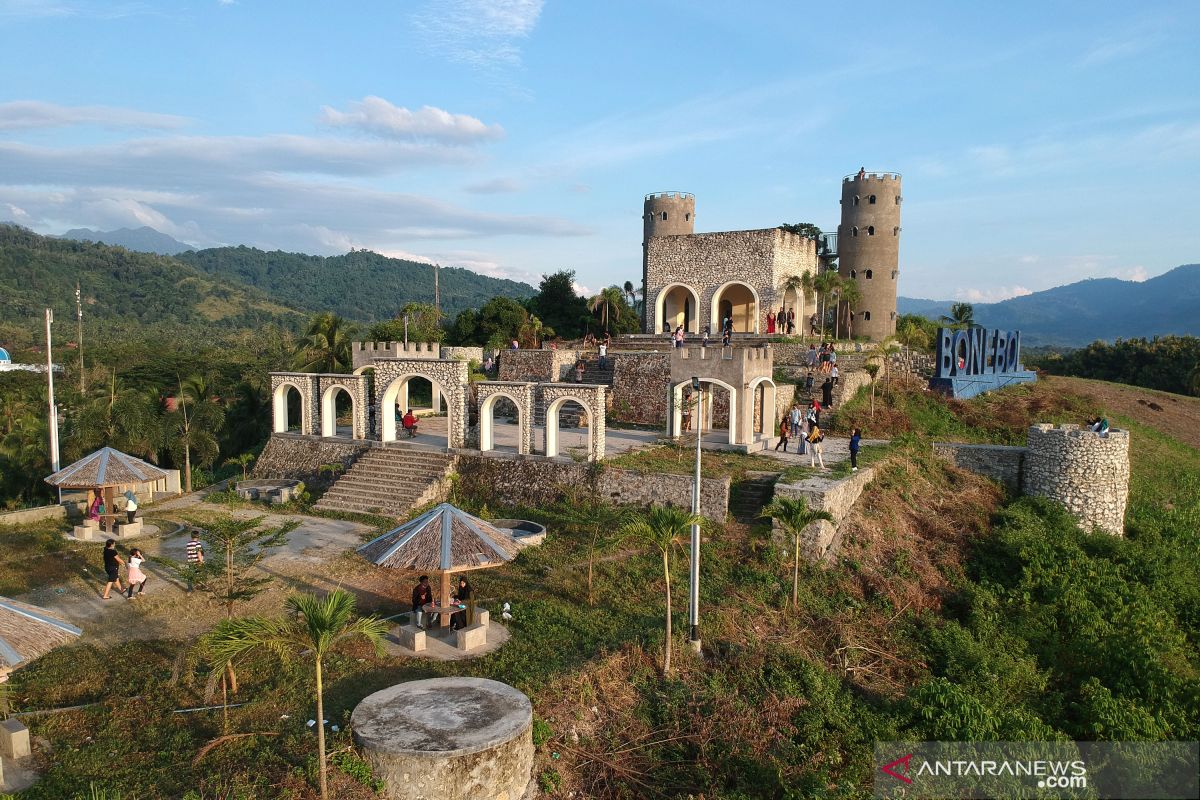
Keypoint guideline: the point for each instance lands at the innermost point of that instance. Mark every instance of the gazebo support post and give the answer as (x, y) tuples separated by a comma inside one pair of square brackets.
[(444, 617)]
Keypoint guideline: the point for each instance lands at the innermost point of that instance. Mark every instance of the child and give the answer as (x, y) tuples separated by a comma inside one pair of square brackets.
[(784, 429), (808, 382), (855, 442), (815, 453), (137, 578)]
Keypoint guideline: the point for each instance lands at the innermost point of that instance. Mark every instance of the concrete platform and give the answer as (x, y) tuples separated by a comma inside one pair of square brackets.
[(441, 644)]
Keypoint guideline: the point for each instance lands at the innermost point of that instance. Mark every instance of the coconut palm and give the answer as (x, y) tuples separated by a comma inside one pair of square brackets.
[(314, 628), (243, 460), (962, 315), (885, 352), (825, 283), (872, 370), (794, 515), (116, 416), (325, 346), (664, 528), (191, 428), (849, 295), (600, 521), (610, 302)]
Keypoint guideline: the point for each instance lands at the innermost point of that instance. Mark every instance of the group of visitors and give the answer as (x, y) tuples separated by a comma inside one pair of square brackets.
[(409, 423), (805, 427), (99, 510), (1098, 425), (823, 360), (135, 576), (462, 598), (783, 322)]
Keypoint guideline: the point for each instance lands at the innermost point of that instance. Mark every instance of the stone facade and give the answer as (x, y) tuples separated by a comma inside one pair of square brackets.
[(521, 395), (539, 482), (869, 249), (998, 462), (307, 385), (591, 397), (740, 371), (706, 269), (448, 377), (1088, 474), (639, 391), (301, 457), (359, 389), (536, 365), (461, 353), (363, 353), (822, 540)]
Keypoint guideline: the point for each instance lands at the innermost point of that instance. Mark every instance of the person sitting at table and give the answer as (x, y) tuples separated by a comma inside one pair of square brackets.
[(94, 508), (410, 423), (101, 512), (422, 596), (459, 619)]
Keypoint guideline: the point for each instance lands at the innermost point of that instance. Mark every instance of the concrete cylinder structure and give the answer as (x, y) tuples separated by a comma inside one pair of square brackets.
[(665, 214), (448, 738), (869, 249), (1087, 473)]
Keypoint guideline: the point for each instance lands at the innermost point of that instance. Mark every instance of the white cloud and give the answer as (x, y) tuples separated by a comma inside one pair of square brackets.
[(377, 116), (494, 186), (583, 291), (1137, 274), (992, 295), (485, 34), (1106, 50), (32, 114)]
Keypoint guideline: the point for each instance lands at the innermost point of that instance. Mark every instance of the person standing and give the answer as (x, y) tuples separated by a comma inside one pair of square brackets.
[(685, 421), (791, 321), (707, 333), (422, 595), (770, 322), (833, 371), (802, 439), (579, 371), (131, 505), (812, 357), (812, 325), (603, 350), (816, 451), (784, 431), (808, 383), (137, 578), (855, 443), (794, 416), (827, 393), (112, 568), (679, 336), (195, 557)]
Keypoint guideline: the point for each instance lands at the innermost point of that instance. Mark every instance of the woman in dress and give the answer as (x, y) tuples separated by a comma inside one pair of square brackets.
[(137, 578), (770, 322)]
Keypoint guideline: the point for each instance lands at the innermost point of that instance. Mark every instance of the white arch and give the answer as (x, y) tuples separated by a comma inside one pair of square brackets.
[(660, 301), (552, 424), (715, 305), (676, 421), (769, 423), (387, 406), (329, 410), (487, 424), (279, 407)]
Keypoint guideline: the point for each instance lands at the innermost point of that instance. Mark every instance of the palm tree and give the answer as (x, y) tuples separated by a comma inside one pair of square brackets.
[(962, 315), (824, 284), (599, 521), (850, 295), (316, 626), (664, 528), (872, 370), (243, 460), (801, 285), (193, 425), (119, 417), (884, 352), (325, 346), (794, 515), (610, 302)]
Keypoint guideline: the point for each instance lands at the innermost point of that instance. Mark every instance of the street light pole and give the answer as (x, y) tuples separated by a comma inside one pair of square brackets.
[(50, 383), (694, 577), (406, 331)]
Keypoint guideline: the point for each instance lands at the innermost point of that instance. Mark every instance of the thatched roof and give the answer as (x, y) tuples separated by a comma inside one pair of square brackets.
[(28, 632), (105, 467), (443, 539)]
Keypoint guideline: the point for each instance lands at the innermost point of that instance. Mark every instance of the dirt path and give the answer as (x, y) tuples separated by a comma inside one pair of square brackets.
[(1176, 415)]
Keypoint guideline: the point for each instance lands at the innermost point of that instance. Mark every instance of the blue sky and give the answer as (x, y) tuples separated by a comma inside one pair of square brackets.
[(1040, 143)]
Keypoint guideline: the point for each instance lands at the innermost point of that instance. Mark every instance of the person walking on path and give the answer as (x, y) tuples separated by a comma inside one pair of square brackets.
[(195, 556), (834, 372), (827, 393), (137, 578), (603, 351), (131, 504), (814, 413), (855, 443), (802, 437), (112, 568), (784, 430), (794, 415), (816, 451)]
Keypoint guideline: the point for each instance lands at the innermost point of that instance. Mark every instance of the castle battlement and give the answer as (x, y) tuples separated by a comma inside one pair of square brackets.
[(872, 176), (1086, 472), (364, 353), (1046, 431), (670, 196)]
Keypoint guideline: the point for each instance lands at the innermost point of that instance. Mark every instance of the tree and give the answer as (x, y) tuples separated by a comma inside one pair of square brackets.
[(872, 370), (243, 460), (962, 315), (850, 295), (609, 303), (326, 345), (558, 305), (599, 520), (884, 353), (806, 229), (424, 325), (116, 416), (825, 283), (663, 528), (794, 515), (192, 427), (314, 628)]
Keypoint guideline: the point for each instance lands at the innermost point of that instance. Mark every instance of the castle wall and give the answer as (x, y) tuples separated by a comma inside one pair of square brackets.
[(998, 462), (1086, 473)]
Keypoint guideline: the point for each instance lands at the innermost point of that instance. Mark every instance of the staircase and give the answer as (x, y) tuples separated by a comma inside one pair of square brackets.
[(748, 496), (592, 374), (389, 481)]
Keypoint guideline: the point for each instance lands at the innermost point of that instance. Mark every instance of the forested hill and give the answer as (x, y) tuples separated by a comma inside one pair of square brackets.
[(122, 290), (360, 285)]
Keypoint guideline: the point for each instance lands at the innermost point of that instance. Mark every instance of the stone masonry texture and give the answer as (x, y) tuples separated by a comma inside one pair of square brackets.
[(1088, 474)]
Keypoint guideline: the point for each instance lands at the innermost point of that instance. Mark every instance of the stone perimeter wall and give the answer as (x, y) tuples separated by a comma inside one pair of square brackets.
[(288, 455), (998, 462), (822, 540)]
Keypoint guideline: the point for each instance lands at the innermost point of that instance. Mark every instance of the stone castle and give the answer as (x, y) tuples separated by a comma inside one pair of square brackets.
[(696, 280)]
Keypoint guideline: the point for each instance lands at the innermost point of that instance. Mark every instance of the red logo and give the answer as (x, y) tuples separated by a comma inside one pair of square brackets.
[(904, 769)]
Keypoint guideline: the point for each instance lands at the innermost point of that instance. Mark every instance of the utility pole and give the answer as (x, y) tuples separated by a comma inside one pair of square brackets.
[(694, 573), (79, 336), (437, 291), (53, 407)]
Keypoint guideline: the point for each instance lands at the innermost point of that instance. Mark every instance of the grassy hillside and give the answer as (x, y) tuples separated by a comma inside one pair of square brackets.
[(360, 285), (122, 290)]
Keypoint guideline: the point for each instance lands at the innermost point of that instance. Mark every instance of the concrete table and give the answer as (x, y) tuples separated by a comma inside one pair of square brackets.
[(448, 738)]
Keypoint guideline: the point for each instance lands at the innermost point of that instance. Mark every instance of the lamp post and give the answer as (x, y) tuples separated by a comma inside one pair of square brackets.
[(50, 387), (406, 331), (694, 576)]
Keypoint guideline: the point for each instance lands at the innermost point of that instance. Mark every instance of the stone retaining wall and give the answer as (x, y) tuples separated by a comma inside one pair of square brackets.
[(639, 389), (822, 540), (24, 516), (998, 462), (1086, 473), (288, 455)]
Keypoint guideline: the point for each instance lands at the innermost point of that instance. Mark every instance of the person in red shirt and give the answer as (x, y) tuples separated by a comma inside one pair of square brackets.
[(410, 423)]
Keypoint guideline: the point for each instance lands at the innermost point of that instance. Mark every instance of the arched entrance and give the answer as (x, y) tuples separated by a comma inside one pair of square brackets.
[(765, 422), (553, 409), (336, 401), (739, 302), (487, 423), (702, 408), (287, 408), (390, 406), (677, 305)]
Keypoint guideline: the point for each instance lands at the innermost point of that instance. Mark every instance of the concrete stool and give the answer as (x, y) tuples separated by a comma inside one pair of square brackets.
[(412, 637), (470, 637), (482, 617), (87, 528), (448, 738), (127, 530), (14, 739)]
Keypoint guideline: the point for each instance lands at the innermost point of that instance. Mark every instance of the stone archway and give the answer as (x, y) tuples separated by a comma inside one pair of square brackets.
[(677, 304), (704, 409), (521, 396), (448, 377), (763, 419), (305, 385), (739, 301), (591, 399), (358, 388)]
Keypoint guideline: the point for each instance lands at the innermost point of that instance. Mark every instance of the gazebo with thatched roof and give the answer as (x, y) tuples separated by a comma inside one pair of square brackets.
[(444, 539), (102, 474), (28, 632)]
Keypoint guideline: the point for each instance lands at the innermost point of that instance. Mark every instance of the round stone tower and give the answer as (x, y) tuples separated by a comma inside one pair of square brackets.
[(664, 214), (869, 248), (1088, 474)]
